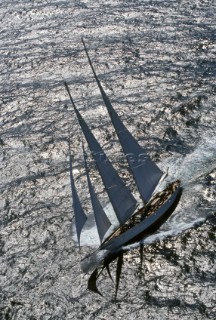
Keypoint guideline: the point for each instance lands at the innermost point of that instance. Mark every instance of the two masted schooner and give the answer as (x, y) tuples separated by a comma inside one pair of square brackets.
[(135, 224)]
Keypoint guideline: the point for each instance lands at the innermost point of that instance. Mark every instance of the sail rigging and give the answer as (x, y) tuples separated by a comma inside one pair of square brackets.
[(142, 224), (102, 221), (80, 216), (120, 196), (133, 227), (145, 172)]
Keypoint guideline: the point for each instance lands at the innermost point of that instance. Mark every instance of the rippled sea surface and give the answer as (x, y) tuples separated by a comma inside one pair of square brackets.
[(156, 61)]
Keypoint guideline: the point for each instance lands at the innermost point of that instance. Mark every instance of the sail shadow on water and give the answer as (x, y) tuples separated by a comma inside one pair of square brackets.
[(135, 224)]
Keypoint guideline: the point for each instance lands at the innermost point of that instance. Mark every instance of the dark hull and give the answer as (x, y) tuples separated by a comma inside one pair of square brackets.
[(146, 227), (110, 250), (114, 248)]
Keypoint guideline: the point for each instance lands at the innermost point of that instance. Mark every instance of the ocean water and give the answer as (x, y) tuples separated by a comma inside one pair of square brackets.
[(197, 172), (156, 61)]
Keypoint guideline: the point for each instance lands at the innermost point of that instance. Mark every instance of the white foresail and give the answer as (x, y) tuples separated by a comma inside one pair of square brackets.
[(102, 221), (80, 216)]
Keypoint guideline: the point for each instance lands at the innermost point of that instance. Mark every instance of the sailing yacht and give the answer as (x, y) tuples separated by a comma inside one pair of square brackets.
[(134, 224)]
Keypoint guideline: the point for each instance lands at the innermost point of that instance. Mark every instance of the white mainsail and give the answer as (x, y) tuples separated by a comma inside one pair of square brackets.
[(120, 196), (145, 172)]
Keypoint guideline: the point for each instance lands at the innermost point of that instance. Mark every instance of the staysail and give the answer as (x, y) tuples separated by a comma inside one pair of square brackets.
[(80, 216), (145, 172), (120, 196), (102, 222)]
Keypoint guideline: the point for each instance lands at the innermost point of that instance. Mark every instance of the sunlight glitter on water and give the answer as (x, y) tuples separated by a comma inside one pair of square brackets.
[(191, 170)]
